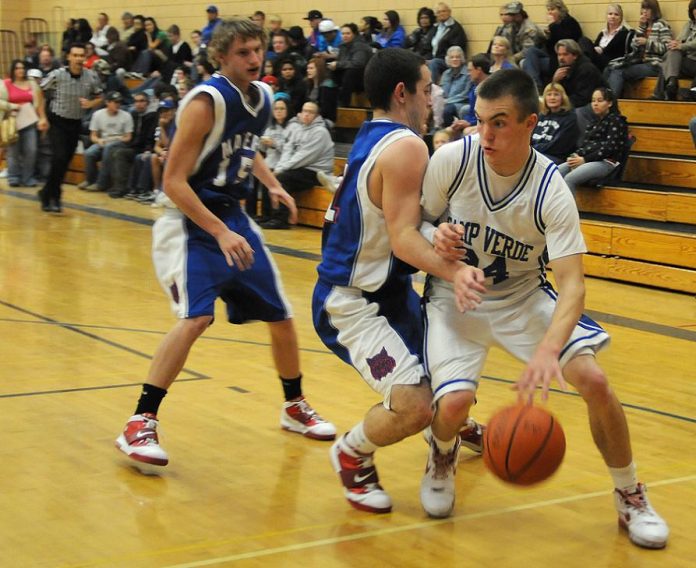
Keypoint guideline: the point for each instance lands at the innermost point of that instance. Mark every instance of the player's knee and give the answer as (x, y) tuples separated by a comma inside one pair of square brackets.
[(413, 405), (453, 408), (594, 386), (196, 326)]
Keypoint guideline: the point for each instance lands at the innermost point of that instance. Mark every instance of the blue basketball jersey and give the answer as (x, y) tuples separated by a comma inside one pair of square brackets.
[(355, 244), (223, 169)]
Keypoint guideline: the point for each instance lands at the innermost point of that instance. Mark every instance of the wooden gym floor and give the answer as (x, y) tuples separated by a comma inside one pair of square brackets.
[(80, 316)]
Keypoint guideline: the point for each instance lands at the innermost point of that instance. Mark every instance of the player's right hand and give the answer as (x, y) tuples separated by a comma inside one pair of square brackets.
[(468, 287), (237, 250), (447, 241)]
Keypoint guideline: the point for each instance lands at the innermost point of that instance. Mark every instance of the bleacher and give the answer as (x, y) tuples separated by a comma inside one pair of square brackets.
[(641, 230)]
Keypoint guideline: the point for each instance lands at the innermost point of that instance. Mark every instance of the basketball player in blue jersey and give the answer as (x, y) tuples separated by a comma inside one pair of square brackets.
[(364, 306), (509, 211), (207, 247)]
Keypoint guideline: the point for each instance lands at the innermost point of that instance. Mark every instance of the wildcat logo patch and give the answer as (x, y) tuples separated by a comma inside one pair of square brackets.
[(381, 364)]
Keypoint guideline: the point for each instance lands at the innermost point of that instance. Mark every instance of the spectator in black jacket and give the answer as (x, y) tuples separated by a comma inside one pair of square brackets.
[(613, 41), (349, 67), (541, 63), (292, 83), (579, 77), (420, 40), (556, 134), (144, 124), (448, 32), (602, 146)]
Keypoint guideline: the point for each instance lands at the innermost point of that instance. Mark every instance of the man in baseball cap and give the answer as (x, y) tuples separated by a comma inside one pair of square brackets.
[(213, 20), (314, 17), (329, 38)]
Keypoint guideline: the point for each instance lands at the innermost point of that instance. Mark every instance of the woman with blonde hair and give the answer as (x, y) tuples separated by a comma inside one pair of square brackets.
[(556, 134), (500, 54), (614, 40)]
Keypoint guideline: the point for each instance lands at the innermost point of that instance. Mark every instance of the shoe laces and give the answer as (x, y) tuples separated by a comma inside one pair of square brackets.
[(304, 412), (636, 500)]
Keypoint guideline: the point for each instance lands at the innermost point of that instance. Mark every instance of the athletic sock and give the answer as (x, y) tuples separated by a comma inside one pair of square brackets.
[(445, 446), (625, 477), (357, 442), (150, 399), (292, 388)]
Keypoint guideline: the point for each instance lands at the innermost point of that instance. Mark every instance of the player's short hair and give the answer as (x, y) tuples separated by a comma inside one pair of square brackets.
[(516, 83), (228, 30), (386, 69)]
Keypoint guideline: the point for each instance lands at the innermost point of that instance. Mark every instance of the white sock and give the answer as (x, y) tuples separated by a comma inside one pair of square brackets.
[(445, 446), (357, 441), (625, 477)]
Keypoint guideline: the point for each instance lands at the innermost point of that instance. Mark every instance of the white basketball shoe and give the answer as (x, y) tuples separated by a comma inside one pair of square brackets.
[(645, 527)]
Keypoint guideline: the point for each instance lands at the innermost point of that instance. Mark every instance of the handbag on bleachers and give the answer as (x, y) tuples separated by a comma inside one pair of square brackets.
[(8, 130)]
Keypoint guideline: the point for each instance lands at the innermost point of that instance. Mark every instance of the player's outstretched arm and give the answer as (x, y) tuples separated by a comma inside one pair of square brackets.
[(544, 364), (275, 191), (193, 126)]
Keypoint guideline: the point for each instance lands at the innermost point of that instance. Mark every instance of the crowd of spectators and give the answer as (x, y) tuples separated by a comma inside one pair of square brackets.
[(125, 142)]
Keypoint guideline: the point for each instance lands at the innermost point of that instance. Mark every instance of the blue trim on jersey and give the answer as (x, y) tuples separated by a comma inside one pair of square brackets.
[(584, 322), (322, 322), (454, 381), (517, 190), (583, 338), (466, 145), (541, 194)]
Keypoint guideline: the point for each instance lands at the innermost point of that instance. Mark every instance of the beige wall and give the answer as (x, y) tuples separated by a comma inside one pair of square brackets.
[(480, 17)]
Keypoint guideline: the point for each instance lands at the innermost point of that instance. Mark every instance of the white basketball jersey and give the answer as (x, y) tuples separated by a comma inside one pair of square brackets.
[(512, 237)]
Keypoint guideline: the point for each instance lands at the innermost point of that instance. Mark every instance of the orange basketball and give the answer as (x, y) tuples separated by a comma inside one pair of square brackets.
[(523, 444)]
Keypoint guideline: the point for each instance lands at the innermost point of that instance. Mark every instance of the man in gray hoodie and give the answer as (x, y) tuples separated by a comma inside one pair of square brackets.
[(307, 149)]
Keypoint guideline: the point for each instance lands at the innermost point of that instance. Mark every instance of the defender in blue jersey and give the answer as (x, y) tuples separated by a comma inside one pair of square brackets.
[(206, 247), (510, 212), (364, 307)]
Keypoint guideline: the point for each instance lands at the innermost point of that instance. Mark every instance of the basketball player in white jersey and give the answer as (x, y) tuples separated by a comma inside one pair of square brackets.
[(510, 213), (364, 306)]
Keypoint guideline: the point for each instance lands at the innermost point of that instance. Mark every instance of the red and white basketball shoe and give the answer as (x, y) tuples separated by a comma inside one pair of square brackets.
[(437, 486), (471, 436), (139, 440), (645, 527), (298, 416), (359, 478)]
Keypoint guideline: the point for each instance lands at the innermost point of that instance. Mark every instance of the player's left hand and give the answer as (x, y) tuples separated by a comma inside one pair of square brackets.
[(279, 195), (447, 241), (541, 369), (468, 287)]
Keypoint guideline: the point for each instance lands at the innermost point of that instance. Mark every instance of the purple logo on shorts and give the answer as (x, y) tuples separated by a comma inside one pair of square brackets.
[(381, 364)]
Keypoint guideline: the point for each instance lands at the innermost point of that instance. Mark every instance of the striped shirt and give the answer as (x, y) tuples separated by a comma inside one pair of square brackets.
[(68, 91)]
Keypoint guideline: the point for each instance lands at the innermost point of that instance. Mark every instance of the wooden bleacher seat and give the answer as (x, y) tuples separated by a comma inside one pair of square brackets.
[(644, 88)]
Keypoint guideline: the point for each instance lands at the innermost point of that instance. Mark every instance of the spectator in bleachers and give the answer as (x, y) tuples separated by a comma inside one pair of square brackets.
[(137, 42), (501, 54), (204, 69), (31, 53), (47, 60), (127, 29), (455, 85), (292, 83), (330, 38), (507, 28), (213, 20), (321, 88), (349, 67), (448, 32), (441, 137), (118, 54), (144, 124), (314, 17), (196, 40), (271, 145), (91, 56), (556, 134), (579, 77), (299, 44), (259, 18), (157, 44), (69, 35), (369, 28), (43, 149), (614, 40), (110, 128), (541, 63), (420, 40), (307, 150), (22, 96), (680, 59), (527, 33), (648, 47), (179, 51), (392, 34), (479, 69), (603, 144), (83, 31), (283, 51), (98, 39), (163, 139), (275, 24)]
